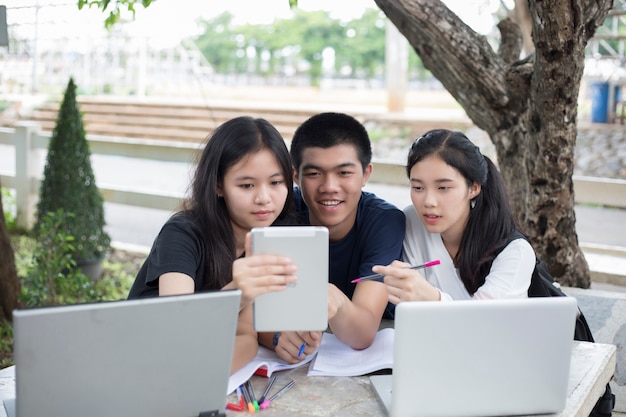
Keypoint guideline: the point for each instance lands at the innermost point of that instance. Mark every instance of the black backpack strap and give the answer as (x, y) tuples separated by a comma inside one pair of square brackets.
[(542, 283), (605, 405), (582, 332)]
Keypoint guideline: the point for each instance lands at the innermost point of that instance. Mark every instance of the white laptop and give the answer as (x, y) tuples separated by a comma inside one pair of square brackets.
[(480, 358), (163, 356)]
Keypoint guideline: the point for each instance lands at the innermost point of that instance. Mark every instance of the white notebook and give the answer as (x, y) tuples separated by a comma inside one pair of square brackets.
[(265, 363)]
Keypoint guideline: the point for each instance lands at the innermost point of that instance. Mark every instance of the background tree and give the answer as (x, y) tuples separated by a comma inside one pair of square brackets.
[(258, 38), (114, 8), (221, 46), (528, 107), (296, 45), (320, 32), (363, 47)]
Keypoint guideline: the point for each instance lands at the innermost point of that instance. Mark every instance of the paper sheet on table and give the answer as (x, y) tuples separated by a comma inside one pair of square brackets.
[(335, 358)]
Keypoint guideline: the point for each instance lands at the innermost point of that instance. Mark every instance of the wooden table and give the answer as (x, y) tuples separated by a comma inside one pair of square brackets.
[(592, 366)]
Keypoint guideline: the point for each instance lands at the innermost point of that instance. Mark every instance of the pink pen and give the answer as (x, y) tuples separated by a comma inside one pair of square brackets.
[(379, 277)]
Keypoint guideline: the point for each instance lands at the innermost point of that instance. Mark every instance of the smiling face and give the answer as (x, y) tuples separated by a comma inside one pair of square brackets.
[(441, 196), (331, 180), (254, 191)]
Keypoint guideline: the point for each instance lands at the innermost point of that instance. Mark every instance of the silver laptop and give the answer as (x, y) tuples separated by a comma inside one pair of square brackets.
[(163, 356), (480, 358)]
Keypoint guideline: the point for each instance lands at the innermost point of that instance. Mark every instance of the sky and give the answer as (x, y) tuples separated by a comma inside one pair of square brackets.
[(168, 21)]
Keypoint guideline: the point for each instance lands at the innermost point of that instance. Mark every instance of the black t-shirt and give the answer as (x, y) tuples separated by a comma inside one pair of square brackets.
[(179, 247)]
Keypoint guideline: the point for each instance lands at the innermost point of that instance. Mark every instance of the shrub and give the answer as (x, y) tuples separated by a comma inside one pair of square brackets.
[(52, 277), (8, 203), (69, 184), (118, 275), (6, 344)]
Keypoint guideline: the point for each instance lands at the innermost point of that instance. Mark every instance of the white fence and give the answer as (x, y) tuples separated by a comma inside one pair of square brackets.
[(30, 147)]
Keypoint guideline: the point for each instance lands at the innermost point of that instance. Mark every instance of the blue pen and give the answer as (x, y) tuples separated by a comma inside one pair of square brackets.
[(301, 351)]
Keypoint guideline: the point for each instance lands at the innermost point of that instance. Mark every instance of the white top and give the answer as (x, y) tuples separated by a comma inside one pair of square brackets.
[(509, 276)]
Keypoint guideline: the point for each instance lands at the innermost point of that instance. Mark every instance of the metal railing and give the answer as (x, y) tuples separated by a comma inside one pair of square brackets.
[(31, 145)]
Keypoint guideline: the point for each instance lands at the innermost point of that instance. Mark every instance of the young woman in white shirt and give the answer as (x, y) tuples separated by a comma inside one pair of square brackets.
[(460, 215)]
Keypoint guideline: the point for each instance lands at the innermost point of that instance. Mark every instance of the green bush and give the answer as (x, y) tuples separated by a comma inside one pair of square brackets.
[(6, 344), (23, 247), (69, 184), (53, 278), (8, 203), (117, 277), (116, 281), (118, 271)]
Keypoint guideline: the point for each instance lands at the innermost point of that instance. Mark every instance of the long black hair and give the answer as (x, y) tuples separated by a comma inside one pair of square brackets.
[(228, 144), (491, 221)]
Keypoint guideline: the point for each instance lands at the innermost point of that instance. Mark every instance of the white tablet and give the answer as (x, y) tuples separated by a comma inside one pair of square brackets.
[(303, 305)]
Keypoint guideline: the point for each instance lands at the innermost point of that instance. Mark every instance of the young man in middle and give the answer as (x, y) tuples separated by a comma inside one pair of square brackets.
[(331, 154)]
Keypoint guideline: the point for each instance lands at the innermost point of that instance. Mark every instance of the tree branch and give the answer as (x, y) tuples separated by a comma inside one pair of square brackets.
[(454, 53), (594, 12), (511, 43)]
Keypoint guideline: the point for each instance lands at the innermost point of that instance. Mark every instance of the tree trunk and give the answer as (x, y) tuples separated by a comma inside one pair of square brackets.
[(9, 283), (528, 107)]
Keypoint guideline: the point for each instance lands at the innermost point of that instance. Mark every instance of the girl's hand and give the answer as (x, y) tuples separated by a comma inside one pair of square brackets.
[(259, 274), (290, 344), (405, 284)]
